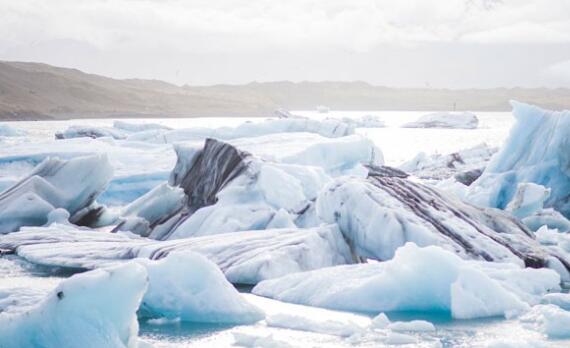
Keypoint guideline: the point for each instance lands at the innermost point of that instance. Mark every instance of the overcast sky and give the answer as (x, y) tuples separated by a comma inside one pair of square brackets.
[(437, 43)]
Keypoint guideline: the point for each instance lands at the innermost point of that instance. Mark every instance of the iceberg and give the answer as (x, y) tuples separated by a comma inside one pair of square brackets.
[(72, 185), (132, 174), (417, 279), (412, 326), (151, 209), (227, 189), (337, 156), (366, 121), (8, 131), (465, 165), (121, 130), (561, 300), (549, 217), (138, 127), (244, 257), (90, 132), (463, 120), (535, 152), (310, 319), (189, 287), (326, 128), (255, 340), (528, 199), (370, 121), (96, 308), (548, 319), (379, 214)]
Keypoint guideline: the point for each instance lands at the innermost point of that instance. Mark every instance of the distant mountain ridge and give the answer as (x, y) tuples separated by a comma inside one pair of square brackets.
[(41, 91)]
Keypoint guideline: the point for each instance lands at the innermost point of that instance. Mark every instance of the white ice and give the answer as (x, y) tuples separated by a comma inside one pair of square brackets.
[(528, 199), (244, 257), (94, 309), (189, 287), (443, 166), (417, 279), (9, 131), (72, 185), (548, 319), (465, 120), (535, 152), (326, 128)]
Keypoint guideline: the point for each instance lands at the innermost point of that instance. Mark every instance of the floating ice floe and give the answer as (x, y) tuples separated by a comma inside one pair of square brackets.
[(132, 174), (561, 300), (120, 130), (463, 120), (366, 121), (548, 319), (189, 287), (418, 279), (97, 308), (326, 128), (244, 257), (138, 127), (228, 189), (9, 131), (528, 199), (381, 213), (72, 185), (535, 152), (90, 132), (412, 326), (465, 165), (549, 217)]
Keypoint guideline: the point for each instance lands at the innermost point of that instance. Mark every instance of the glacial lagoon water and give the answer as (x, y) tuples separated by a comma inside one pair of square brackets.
[(493, 332), (398, 145)]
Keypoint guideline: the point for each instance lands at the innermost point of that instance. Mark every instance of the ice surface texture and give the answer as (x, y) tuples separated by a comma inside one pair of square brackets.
[(466, 164), (536, 151), (90, 132), (244, 257), (326, 128), (95, 309), (228, 189), (417, 279), (189, 287), (379, 214), (72, 185)]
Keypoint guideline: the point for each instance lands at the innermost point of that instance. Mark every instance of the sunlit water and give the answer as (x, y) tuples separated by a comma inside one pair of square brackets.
[(398, 145)]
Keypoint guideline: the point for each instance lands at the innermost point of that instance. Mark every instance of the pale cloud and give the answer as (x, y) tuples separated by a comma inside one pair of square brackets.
[(559, 71), (231, 24), (146, 38)]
